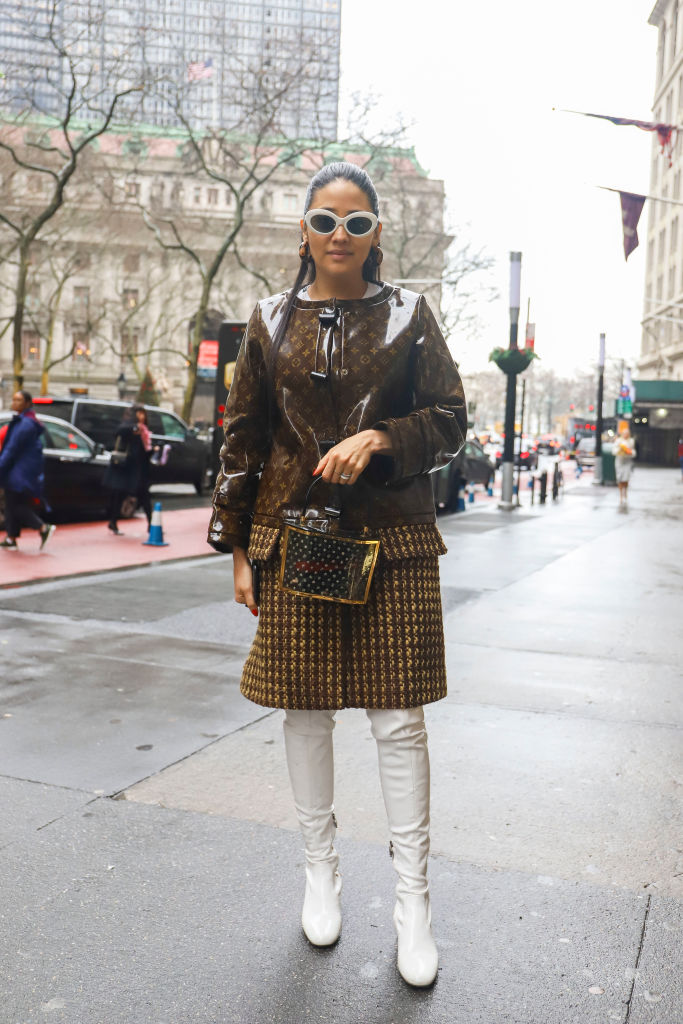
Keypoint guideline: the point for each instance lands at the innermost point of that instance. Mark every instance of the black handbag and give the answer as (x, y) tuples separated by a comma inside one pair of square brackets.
[(320, 559)]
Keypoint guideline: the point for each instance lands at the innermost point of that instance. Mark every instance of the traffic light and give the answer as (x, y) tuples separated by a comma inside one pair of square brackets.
[(571, 407)]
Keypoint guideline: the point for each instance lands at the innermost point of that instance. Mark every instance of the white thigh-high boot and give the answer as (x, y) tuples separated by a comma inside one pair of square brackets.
[(404, 774), (308, 743)]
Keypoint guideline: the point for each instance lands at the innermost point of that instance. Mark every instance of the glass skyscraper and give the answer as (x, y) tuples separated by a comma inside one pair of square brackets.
[(270, 66)]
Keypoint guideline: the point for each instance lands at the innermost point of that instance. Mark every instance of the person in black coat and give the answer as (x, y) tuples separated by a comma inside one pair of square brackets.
[(128, 471), (21, 472)]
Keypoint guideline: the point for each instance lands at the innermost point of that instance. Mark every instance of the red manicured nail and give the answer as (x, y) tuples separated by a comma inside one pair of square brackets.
[(254, 611), (317, 472)]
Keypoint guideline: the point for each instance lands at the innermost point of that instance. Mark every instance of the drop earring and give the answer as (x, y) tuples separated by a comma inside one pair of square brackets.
[(304, 251)]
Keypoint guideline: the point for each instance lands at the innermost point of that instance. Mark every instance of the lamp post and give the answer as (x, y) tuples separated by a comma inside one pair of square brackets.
[(597, 470), (508, 464), (121, 385)]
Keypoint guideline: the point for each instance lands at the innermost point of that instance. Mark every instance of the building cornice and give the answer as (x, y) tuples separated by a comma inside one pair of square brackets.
[(658, 12)]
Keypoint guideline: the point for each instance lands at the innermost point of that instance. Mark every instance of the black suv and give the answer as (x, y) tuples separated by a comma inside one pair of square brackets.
[(188, 460), (470, 466)]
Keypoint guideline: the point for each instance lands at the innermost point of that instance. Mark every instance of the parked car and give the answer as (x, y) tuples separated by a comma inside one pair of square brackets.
[(74, 467), (470, 466), (524, 456), (585, 452), (188, 456), (547, 446)]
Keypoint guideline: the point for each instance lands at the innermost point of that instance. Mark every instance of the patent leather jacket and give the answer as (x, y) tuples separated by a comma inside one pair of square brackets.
[(342, 367)]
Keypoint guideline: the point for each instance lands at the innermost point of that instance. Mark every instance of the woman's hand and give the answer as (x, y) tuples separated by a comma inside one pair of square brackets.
[(344, 463), (241, 572)]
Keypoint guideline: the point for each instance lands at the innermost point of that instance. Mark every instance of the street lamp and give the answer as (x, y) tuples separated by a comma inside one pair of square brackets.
[(508, 464), (597, 470), (121, 385)]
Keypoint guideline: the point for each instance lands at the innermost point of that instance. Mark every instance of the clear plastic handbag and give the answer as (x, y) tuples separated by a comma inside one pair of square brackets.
[(320, 559)]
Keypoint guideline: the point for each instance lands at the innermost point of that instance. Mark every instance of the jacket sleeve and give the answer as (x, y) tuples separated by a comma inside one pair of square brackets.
[(434, 432), (15, 442), (246, 444)]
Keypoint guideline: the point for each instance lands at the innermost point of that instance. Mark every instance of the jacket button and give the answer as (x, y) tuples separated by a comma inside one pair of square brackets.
[(344, 372)]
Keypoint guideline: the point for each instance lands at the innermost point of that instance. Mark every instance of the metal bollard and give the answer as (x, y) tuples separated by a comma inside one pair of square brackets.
[(544, 487)]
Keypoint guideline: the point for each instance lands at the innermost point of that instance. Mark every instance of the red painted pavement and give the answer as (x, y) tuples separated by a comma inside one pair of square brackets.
[(77, 548)]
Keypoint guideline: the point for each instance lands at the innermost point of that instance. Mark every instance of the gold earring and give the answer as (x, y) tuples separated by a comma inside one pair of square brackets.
[(379, 255), (304, 251)]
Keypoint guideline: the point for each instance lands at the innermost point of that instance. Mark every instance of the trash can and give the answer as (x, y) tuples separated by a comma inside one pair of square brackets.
[(609, 474)]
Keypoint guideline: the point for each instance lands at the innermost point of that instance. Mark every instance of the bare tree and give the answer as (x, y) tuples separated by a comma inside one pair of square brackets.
[(244, 160), (52, 119)]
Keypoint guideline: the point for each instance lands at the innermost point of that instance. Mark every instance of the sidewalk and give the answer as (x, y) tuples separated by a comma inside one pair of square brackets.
[(152, 869), (78, 548)]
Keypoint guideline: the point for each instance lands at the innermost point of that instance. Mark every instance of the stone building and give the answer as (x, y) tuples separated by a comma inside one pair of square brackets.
[(658, 407), (107, 299), (661, 353), (213, 62)]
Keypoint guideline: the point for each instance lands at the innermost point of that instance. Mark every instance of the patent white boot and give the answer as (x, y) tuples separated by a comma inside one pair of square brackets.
[(404, 774), (308, 744)]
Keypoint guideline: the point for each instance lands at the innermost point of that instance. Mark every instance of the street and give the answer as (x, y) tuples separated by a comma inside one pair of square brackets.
[(152, 868)]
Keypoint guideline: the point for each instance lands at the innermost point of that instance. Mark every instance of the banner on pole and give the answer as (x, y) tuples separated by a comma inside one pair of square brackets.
[(631, 209)]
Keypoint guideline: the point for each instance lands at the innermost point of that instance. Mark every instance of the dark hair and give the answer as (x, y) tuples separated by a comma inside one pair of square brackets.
[(325, 176), (27, 396), (138, 407)]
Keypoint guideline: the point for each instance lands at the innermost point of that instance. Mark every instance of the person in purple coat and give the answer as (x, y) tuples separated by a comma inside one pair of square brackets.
[(21, 472)]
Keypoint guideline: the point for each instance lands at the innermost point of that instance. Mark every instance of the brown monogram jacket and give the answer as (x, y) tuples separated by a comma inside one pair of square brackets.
[(380, 363)]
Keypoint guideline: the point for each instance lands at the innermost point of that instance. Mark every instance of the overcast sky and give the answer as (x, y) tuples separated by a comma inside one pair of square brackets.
[(480, 80)]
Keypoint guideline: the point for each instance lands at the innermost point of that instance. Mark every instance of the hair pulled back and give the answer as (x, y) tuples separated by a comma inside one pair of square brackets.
[(340, 170)]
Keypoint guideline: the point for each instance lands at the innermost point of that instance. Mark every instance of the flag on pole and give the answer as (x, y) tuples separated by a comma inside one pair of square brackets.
[(197, 71), (631, 209), (667, 133)]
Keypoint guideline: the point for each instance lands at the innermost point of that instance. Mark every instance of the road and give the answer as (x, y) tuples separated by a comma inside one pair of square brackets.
[(151, 866)]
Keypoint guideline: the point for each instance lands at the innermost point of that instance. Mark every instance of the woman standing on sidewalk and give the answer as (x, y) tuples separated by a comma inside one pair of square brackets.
[(348, 380), (128, 472), (624, 455)]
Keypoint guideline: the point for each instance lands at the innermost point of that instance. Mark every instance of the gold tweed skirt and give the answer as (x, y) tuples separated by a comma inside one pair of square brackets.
[(388, 653)]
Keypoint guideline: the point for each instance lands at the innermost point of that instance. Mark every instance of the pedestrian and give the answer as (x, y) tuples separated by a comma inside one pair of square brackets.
[(624, 455), (345, 380), (680, 455), (22, 473), (128, 471)]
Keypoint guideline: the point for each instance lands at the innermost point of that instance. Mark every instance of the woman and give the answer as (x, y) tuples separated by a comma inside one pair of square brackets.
[(624, 454), (347, 380), (128, 472)]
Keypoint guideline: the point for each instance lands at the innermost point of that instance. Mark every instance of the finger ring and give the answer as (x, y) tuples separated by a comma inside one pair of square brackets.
[(345, 476)]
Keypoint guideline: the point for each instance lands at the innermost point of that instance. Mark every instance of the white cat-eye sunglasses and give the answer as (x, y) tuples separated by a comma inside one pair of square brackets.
[(324, 222)]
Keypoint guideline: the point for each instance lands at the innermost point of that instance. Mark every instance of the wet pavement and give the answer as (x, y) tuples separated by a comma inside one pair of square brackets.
[(151, 867)]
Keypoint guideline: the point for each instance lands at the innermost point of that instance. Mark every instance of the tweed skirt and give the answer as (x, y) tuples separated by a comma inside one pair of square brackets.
[(318, 655)]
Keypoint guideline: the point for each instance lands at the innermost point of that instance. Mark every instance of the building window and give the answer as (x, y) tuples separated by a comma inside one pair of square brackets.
[(228, 197), (130, 298), (212, 196), (132, 190), (131, 262), (197, 195), (290, 202), (30, 346), (672, 282), (661, 250), (129, 345), (674, 235), (662, 51), (81, 348), (660, 284), (81, 302), (677, 185)]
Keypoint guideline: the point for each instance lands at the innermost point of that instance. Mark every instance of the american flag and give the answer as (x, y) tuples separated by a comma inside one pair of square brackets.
[(199, 69)]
